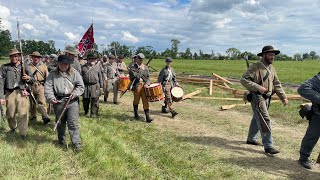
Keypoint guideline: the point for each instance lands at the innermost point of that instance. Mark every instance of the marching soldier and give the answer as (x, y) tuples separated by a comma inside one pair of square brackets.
[(40, 73), (121, 66), (112, 75), (93, 83), (134, 60), (262, 81), (140, 77), (167, 78), (310, 90), (13, 84), (52, 63), (72, 53), (60, 84)]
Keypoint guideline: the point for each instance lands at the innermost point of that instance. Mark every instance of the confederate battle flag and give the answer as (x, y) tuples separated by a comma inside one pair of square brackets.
[(86, 42)]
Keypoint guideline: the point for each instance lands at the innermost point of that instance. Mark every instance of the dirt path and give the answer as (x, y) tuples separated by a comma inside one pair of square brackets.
[(208, 127)]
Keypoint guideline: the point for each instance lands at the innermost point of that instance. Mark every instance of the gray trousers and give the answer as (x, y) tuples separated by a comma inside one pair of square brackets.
[(69, 118), (255, 122), (311, 137), (93, 102), (111, 84)]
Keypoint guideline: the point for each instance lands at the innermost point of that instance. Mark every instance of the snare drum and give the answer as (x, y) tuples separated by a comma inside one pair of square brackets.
[(123, 83), (177, 94), (154, 92)]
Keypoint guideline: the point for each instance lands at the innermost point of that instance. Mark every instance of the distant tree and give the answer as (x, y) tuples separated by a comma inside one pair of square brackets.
[(233, 53), (313, 54), (195, 56), (297, 57), (305, 56), (5, 41), (174, 47)]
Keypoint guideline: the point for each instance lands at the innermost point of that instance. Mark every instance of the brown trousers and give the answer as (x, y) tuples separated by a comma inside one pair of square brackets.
[(140, 93), (168, 98), (17, 104), (38, 92)]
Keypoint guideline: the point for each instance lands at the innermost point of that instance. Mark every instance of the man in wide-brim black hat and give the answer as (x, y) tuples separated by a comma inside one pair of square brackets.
[(262, 81)]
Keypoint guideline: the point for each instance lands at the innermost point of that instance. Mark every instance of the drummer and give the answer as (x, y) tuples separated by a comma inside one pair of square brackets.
[(122, 68), (167, 78), (140, 77)]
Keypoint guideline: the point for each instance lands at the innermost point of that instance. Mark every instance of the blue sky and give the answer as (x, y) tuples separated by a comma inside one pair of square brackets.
[(291, 26)]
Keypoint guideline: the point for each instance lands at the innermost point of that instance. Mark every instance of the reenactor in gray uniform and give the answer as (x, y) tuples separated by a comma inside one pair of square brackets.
[(310, 90), (60, 84), (52, 63), (262, 81), (167, 78), (13, 84), (112, 74), (93, 83), (140, 77), (122, 68), (72, 53)]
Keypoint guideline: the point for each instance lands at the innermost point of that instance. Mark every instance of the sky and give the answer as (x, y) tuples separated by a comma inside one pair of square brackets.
[(292, 26)]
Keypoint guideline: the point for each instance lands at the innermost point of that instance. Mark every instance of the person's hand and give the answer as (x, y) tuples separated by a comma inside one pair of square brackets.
[(2, 101), (54, 101), (262, 89), (25, 77), (285, 102)]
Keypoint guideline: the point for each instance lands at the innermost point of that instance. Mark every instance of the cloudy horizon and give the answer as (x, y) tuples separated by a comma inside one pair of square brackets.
[(215, 25)]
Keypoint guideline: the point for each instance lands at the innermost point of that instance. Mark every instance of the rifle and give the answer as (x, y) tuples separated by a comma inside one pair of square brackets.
[(26, 91), (62, 113)]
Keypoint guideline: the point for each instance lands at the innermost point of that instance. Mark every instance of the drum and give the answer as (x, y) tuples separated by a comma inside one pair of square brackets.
[(154, 92), (123, 83), (177, 94)]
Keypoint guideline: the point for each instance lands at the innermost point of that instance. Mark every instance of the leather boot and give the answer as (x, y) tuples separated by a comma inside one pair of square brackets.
[(147, 113), (173, 113), (135, 109), (164, 109)]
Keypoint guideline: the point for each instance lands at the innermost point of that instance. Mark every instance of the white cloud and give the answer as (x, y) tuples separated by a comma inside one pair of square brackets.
[(28, 26), (4, 15), (127, 36), (223, 23), (72, 37), (109, 25), (148, 30), (252, 2)]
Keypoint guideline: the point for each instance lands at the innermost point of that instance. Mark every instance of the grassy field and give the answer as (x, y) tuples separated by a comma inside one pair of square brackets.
[(201, 143), (288, 71), (294, 72)]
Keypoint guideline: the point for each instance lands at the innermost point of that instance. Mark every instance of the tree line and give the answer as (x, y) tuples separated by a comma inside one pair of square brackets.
[(115, 48)]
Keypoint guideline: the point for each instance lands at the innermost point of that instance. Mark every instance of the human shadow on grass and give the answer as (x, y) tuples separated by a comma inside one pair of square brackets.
[(270, 164), (276, 166), (14, 138)]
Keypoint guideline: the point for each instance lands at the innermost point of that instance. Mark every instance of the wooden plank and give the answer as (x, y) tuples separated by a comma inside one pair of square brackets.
[(210, 87), (226, 85), (191, 94), (224, 88), (226, 107), (216, 98), (221, 78)]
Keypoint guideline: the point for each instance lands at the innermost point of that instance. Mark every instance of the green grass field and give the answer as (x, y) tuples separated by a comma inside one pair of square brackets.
[(201, 143)]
